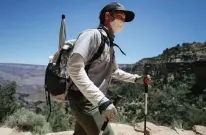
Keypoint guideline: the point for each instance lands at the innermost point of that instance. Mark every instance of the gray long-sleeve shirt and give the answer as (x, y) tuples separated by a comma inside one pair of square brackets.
[(94, 85)]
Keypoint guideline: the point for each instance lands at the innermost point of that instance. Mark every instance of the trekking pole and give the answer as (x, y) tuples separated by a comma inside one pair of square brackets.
[(146, 95), (115, 102)]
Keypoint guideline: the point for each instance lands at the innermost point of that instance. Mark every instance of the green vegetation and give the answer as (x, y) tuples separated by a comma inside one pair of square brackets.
[(59, 119), (26, 120), (172, 105), (14, 116), (8, 100)]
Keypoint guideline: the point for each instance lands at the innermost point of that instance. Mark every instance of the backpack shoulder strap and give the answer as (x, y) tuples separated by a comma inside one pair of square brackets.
[(99, 51), (119, 48)]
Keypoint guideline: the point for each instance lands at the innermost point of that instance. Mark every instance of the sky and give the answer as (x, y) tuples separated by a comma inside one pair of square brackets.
[(29, 29)]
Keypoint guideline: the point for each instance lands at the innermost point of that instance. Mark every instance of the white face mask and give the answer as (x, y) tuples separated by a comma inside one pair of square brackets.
[(117, 25)]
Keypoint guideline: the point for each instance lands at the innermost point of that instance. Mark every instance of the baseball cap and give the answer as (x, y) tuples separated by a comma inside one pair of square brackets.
[(115, 6)]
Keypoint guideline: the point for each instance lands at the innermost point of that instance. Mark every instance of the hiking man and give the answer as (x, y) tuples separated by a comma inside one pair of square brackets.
[(87, 99)]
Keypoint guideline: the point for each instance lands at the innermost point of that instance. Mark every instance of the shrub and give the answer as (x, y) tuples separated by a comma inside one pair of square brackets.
[(59, 119), (26, 120)]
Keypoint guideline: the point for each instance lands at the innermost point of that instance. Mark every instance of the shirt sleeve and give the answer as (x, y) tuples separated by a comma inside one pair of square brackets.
[(85, 47), (122, 75), (87, 44)]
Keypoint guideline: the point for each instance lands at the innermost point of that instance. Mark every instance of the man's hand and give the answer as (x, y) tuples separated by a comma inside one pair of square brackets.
[(110, 113), (143, 79), (147, 79), (108, 110)]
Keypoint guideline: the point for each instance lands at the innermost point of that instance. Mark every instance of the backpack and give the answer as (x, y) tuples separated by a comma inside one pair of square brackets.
[(57, 80)]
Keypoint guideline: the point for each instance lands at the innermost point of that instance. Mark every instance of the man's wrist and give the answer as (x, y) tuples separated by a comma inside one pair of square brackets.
[(138, 79), (103, 106)]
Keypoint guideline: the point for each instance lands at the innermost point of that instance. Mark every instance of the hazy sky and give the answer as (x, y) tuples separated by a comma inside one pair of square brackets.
[(29, 29)]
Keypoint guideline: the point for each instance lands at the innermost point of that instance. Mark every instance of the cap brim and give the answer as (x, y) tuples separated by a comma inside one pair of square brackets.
[(129, 15)]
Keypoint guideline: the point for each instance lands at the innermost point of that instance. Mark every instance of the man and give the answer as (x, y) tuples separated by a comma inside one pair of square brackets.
[(87, 99)]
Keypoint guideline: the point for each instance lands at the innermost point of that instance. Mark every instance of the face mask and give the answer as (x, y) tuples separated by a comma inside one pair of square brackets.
[(117, 25)]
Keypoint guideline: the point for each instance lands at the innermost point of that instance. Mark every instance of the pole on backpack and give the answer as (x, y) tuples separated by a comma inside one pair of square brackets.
[(62, 32), (146, 96), (62, 38)]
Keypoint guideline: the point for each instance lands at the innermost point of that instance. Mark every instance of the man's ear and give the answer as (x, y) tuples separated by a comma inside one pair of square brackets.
[(108, 17)]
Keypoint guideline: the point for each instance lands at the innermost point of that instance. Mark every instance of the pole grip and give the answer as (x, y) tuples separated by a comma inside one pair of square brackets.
[(146, 68), (104, 125), (146, 87)]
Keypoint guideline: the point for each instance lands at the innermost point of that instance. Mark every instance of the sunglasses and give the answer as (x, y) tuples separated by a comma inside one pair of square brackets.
[(118, 15)]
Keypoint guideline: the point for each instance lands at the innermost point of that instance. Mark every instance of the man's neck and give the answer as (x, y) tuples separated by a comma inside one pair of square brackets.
[(109, 31)]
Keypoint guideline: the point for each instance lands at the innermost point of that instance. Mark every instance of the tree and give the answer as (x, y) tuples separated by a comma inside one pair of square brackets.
[(178, 45), (8, 100)]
